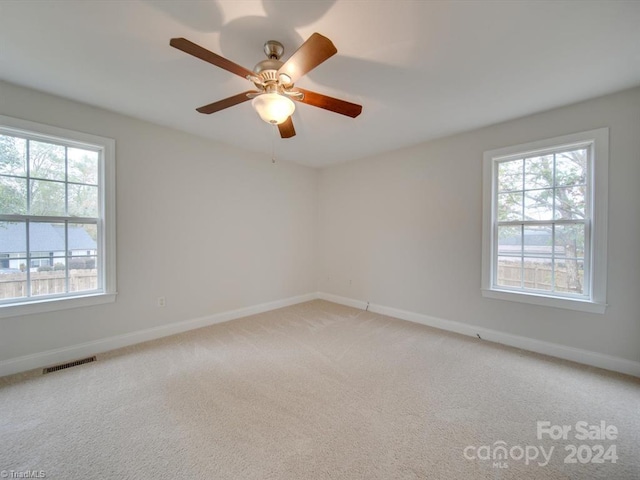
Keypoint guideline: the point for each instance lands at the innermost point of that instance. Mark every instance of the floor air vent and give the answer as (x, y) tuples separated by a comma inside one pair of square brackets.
[(68, 365)]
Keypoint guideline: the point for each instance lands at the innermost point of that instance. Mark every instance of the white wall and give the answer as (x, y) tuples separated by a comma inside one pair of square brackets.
[(215, 229), (209, 227), (404, 230)]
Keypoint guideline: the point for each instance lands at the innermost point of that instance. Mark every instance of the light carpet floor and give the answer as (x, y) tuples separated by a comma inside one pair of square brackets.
[(313, 391)]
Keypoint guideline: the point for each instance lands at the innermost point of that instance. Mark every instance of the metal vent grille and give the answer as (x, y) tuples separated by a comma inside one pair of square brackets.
[(62, 366)]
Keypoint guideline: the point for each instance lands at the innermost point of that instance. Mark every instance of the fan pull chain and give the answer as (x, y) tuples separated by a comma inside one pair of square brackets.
[(273, 144)]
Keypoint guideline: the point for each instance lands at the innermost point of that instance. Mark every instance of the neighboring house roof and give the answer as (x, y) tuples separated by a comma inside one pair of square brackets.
[(43, 237)]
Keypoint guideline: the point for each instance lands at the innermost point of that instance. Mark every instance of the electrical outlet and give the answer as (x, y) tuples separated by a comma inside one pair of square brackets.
[(161, 302)]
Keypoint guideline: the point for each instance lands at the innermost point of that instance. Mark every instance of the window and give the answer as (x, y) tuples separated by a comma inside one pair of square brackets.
[(545, 224), (57, 218)]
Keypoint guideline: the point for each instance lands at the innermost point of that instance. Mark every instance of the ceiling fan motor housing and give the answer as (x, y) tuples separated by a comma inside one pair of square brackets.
[(273, 49), (267, 70)]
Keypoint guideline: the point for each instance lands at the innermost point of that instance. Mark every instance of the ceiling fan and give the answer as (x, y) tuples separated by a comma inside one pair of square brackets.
[(274, 81)]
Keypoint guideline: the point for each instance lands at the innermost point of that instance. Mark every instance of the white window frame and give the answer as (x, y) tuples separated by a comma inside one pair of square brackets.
[(594, 300), (107, 217)]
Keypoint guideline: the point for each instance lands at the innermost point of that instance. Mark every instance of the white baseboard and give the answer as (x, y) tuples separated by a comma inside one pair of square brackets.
[(73, 352), (349, 302), (585, 357), (60, 355)]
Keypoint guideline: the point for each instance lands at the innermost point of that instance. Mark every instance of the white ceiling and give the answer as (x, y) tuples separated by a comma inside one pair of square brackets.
[(421, 69)]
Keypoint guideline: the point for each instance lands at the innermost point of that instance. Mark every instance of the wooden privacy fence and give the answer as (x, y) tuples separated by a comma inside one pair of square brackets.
[(536, 276), (14, 285)]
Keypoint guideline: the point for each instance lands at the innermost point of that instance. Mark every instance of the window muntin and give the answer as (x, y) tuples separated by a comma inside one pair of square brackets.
[(545, 222), (56, 215)]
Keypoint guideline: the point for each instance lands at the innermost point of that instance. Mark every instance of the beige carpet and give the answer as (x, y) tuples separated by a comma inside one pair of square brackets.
[(313, 391)]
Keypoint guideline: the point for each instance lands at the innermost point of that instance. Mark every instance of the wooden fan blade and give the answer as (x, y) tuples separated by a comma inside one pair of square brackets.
[(213, 58), (226, 103), (286, 129), (329, 103), (311, 53)]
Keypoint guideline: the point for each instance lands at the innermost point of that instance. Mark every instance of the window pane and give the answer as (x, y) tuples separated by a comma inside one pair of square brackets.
[(569, 241), (83, 200), (83, 274), (47, 240), (13, 283), (571, 168), (13, 195), (13, 264), (537, 241), (538, 273), (48, 281), (510, 176), (538, 172), (570, 275), (509, 272), (13, 155), (82, 239), (48, 258), (538, 204), (570, 203), (13, 244), (510, 241), (509, 206), (47, 198), (46, 160), (83, 166)]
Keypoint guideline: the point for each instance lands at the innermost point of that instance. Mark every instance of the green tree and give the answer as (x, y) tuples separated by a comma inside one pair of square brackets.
[(47, 170), (50, 165), (12, 165)]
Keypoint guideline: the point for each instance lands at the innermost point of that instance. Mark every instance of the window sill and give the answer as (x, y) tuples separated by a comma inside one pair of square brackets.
[(557, 302), (55, 304)]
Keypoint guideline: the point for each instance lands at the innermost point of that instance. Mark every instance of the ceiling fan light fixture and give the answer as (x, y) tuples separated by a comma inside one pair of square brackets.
[(273, 108)]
